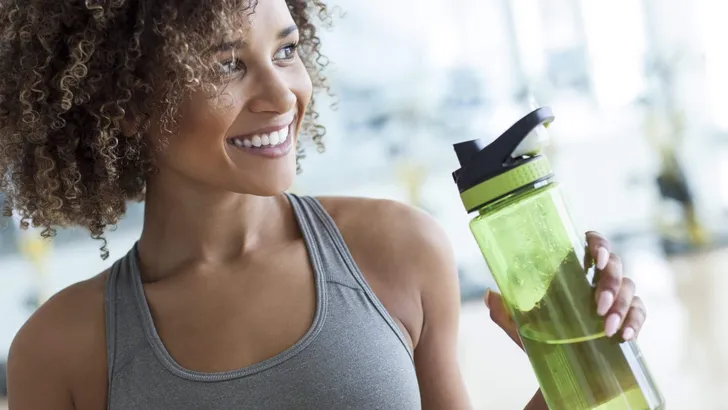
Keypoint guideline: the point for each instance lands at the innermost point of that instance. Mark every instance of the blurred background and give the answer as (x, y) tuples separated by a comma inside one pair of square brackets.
[(640, 143)]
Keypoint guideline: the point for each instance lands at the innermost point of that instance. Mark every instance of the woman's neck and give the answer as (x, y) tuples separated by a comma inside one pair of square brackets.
[(186, 225)]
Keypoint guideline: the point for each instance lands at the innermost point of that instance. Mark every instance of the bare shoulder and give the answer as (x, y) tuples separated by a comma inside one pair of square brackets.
[(402, 251), (61, 348), (409, 263), (391, 235)]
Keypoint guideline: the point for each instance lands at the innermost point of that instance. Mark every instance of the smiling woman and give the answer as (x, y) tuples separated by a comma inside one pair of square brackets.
[(237, 295), (82, 82)]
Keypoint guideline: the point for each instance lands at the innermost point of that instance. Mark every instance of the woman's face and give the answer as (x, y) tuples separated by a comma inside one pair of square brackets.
[(245, 140)]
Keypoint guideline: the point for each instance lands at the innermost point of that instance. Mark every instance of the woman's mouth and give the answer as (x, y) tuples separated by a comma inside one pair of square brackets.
[(274, 143)]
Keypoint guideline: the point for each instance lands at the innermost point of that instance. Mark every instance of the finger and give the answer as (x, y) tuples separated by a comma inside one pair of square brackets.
[(599, 248), (500, 315), (610, 281), (635, 319), (620, 308)]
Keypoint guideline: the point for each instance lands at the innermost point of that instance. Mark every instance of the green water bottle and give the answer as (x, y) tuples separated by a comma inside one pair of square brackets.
[(539, 261)]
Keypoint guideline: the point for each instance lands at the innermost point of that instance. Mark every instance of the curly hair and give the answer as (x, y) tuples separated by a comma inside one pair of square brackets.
[(72, 71)]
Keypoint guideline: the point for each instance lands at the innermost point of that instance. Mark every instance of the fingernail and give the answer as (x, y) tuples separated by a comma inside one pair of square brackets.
[(486, 298), (604, 303), (602, 258), (628, 334), (612, 325)]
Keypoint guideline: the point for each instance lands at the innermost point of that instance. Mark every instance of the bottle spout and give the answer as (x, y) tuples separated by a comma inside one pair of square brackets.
[(526, 137), (533, 144)]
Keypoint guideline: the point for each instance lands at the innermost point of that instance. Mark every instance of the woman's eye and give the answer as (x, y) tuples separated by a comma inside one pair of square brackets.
[(286, 53), (231, 66)]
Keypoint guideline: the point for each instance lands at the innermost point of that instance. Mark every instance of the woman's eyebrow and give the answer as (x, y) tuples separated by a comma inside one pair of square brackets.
[(237, 44)]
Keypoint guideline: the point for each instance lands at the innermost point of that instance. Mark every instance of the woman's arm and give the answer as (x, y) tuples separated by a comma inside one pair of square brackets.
[(36, 372), (58, 358), (537, 402), (436, 357), (408, 261)]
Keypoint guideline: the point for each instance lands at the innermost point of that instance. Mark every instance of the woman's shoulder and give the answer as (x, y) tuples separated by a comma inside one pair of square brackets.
[(63, 344), (375, 214), (401, 250), (385, 225)]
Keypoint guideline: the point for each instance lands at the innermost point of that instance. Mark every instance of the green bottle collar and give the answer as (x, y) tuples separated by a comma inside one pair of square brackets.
[(510, 181)]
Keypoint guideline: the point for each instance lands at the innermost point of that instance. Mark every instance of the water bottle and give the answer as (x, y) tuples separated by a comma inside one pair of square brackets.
[(540, 263)]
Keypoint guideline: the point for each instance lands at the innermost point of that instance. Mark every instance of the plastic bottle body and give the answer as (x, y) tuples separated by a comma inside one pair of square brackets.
[(537, 258)]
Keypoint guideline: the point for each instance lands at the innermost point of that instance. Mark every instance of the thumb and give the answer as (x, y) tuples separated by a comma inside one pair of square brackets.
[(500, 315)]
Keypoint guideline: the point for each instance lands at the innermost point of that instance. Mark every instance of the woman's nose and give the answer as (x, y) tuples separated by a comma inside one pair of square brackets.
[(273, 94)]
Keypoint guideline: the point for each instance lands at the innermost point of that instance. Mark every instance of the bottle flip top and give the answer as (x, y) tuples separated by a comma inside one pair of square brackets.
[(513, 161)]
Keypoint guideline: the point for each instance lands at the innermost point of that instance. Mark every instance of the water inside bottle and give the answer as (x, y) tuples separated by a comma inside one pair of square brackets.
[(578, 367)]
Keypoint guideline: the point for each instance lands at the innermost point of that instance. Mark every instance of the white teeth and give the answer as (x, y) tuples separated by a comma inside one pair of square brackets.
[(262, 140), (274, 140), (257, 142)]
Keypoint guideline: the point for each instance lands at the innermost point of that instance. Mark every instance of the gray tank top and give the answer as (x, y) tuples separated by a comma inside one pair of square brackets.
[(353, 357)]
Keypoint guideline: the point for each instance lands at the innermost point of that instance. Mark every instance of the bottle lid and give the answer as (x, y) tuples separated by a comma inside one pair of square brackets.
[(512, 162)]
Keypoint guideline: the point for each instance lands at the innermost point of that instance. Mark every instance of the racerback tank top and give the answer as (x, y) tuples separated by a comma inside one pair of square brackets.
[(353, 356)]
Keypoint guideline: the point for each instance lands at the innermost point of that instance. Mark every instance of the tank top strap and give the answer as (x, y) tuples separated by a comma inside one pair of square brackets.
[(124, 330), (320, 231)]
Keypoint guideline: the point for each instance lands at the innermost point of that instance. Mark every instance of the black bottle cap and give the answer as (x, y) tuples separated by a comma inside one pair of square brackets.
[(480, 162)]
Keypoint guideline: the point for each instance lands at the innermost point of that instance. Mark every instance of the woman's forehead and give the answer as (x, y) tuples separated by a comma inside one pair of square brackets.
[(268, 20)]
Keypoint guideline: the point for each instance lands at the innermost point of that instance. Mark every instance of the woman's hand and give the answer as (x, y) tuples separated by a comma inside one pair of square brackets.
[(615, 297), (615, 294)]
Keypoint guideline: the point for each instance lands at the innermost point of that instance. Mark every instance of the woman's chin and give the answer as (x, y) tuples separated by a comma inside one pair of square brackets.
[(264, 177), (268, 185)]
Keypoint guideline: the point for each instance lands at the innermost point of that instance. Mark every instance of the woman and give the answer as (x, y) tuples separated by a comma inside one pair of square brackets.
[(236, 295)]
